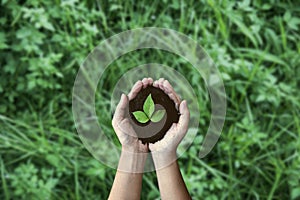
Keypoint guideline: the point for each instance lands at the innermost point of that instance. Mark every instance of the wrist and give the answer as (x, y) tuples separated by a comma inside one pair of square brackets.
[(164, 159), (132, 162), (132, 149)]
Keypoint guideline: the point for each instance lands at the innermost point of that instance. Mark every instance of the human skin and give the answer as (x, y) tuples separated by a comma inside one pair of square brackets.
[(170, 181), (128, 179)]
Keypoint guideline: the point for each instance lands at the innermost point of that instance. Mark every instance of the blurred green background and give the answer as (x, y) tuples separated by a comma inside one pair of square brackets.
[(255, 45)]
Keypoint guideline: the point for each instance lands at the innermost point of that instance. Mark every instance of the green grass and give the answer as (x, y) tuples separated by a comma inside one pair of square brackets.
[(255, 46)]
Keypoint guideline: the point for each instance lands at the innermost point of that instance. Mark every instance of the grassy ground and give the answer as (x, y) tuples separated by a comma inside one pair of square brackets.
[(255, 46)]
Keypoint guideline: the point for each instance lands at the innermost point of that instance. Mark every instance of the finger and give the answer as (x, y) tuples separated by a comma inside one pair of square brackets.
[(135, 90), (170, 90), (155, 83), (150, 81), (172, 96), (184, 117), (120, 109), (168, 87), (160, 83), (145, 82), (162, 86)]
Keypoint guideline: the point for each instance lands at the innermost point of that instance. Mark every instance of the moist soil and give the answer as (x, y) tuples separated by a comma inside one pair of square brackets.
[(151, 132)]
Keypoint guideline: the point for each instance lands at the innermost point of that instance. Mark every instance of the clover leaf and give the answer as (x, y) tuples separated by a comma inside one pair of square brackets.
[(141, 116), (148, 112), (158, 115), (149, 106)]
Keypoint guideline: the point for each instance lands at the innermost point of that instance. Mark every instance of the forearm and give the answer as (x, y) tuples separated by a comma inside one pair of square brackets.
[(170, 181), (128, 179)]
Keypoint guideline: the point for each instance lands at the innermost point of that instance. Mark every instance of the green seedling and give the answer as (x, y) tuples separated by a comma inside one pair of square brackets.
[(149, 112)]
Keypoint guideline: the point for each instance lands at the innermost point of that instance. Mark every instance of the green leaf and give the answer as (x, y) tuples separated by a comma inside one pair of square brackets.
[(140, 116), (236, 19), (158, 115), (149, 106), (296, 193)]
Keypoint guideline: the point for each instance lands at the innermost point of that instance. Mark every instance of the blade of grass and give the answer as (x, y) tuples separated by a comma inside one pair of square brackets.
[(4, 184)]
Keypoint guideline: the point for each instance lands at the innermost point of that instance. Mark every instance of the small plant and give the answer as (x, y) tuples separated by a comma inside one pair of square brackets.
[(149, 112)]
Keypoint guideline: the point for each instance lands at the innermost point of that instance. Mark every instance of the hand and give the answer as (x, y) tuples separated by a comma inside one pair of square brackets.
[(164, 151), (165, 86), (121, 123)]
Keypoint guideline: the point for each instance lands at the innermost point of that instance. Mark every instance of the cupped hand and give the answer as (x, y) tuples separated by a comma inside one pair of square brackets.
[(167, 146), (121, 122)]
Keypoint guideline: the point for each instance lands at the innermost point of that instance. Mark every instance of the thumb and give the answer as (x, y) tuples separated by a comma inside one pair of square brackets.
[(121, 108), (184, 117)]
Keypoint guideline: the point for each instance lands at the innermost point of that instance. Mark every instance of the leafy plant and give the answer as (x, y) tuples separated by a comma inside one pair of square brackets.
[(255, 44), (28, 181), (149, 112)]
